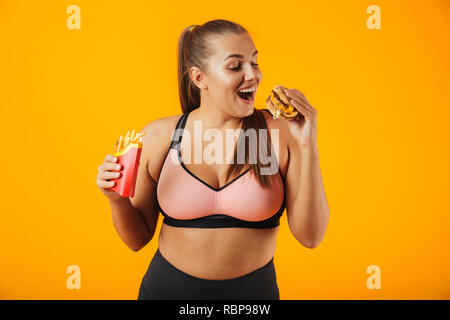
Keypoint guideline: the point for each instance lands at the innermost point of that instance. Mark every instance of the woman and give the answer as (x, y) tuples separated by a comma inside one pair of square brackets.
[(221, 221)]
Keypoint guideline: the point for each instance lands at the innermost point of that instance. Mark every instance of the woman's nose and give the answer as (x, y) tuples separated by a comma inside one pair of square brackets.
[(250, 73)]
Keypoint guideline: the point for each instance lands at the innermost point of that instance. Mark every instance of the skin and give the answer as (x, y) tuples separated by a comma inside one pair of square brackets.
[(223, 253)]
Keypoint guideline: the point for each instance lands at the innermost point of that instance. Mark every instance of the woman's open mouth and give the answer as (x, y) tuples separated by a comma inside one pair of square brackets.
[(247, 95)]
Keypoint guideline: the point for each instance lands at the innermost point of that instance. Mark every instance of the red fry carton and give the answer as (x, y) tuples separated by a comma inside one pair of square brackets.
[(129, 159)]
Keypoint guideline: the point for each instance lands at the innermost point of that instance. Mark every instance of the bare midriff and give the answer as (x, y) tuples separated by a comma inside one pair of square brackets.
[(217, 253)]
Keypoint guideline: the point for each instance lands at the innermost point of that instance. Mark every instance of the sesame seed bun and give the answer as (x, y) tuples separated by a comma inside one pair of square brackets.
[(279, 106)]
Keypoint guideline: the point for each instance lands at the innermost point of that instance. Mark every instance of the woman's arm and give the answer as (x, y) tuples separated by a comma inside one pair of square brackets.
[(135, 219), (129, 224), (307, 206), (306, 202)]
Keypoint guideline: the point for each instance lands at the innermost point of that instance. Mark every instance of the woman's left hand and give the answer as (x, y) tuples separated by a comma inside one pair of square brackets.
[(304, 129)]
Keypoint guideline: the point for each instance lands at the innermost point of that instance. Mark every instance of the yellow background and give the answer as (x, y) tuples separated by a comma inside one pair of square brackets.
[(383, 130)]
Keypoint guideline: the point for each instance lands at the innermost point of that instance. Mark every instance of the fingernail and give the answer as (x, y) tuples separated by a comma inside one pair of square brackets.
[(285, 91), (117, 167)]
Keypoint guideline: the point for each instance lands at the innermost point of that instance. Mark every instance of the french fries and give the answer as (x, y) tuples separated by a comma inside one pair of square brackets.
[(128, 151), (123, 143)]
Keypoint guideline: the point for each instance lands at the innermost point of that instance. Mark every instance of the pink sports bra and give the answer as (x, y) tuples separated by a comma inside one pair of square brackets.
[(187, 201)]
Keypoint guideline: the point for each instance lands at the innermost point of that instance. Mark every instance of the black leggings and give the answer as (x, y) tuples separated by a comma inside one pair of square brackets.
[(164, 281)]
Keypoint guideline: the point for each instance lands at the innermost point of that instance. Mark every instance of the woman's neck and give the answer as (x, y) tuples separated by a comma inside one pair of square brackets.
[(214, 118)]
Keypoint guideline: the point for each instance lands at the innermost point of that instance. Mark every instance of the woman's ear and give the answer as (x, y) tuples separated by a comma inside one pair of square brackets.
[(198, 78)]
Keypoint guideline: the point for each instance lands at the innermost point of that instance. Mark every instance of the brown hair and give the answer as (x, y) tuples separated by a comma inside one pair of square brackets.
[(194, 50)]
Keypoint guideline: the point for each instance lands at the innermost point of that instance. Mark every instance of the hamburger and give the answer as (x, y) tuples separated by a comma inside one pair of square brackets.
[(279, 106)]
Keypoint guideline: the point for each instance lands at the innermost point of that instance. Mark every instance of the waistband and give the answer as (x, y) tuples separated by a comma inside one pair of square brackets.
[(266, 268)]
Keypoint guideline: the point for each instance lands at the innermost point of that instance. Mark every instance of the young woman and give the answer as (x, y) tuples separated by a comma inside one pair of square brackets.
[(221, 218)]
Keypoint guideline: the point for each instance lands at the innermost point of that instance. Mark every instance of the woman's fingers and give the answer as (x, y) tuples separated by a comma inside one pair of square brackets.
[(302, 109), (108, 170), (294, 94), (298, 94), (110, 157), (106, 175), (105, 184), (108, 184), (105, 166)]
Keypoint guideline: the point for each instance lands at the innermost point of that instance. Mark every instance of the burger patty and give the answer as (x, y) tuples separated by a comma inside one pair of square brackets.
[(278, 98)]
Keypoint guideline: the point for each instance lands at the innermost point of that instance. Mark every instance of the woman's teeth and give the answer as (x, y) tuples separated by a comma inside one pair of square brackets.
[(247, 90), (246, 94)]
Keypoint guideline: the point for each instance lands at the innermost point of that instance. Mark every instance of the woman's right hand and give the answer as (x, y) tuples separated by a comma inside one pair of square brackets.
[(108, 170)]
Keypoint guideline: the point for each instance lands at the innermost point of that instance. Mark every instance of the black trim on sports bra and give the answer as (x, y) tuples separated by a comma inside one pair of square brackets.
[(224, 221), (215, 220), (178, 132)]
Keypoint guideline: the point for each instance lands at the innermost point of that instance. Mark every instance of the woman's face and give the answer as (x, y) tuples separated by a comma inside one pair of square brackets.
[(231, 67)]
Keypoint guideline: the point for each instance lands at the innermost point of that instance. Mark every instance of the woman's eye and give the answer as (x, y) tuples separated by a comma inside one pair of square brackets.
[(239, 67)]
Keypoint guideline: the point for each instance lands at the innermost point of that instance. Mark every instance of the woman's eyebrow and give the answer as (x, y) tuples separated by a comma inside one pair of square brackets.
[(239, 55)]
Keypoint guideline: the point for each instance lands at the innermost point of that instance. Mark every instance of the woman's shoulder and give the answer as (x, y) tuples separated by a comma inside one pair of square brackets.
[(162, 125), (158, 134), (156, 142)]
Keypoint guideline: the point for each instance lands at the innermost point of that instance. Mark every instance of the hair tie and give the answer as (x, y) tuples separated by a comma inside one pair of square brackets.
[(192, 28)]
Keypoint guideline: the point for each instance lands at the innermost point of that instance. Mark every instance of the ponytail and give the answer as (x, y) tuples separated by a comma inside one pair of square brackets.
[(188, 91)]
